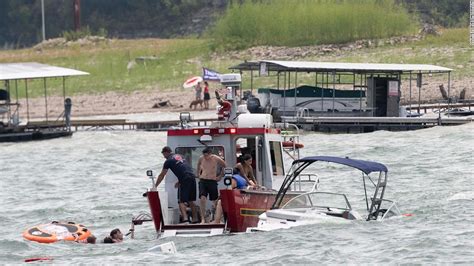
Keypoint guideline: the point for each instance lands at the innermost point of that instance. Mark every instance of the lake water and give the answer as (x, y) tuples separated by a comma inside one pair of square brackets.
[(97, 179)]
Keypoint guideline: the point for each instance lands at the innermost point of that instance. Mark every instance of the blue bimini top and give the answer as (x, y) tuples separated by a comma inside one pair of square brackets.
[(365, 166)]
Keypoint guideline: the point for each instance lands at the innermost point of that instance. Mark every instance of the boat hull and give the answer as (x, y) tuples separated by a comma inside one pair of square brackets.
[(283, 219), (242, 208), (33, 135)]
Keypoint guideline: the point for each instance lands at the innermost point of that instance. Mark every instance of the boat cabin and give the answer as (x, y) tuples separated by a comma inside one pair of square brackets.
[(234, 134), (252, 134)]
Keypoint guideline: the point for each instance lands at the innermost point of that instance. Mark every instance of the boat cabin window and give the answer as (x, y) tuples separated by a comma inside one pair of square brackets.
[(276, 157), (192, 154)]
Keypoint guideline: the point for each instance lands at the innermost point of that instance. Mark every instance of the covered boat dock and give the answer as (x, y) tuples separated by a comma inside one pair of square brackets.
[(16, 76), (331, 96)]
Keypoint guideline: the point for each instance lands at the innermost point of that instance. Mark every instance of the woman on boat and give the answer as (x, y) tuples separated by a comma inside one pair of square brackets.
[(245, 170), (238, 182)]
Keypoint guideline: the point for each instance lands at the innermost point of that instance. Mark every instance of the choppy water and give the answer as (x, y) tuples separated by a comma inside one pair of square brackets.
[(97, 178)]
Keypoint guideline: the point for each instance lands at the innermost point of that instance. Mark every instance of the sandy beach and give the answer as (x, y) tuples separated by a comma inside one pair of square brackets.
[(113, 103)]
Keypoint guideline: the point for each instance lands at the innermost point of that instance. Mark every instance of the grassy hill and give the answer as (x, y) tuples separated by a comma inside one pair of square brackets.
[(113, 67), (310, 22)]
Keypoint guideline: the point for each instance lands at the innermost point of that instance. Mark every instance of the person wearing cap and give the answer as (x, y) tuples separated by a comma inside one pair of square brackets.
[(186, 178), (208, 178)]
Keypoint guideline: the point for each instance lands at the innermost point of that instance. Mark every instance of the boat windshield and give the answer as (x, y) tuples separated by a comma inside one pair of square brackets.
[(192, 154), (319, 200)]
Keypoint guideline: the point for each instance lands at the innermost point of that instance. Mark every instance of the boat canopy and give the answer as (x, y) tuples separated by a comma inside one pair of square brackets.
[(310, 66), (365, 166), (32, 70)]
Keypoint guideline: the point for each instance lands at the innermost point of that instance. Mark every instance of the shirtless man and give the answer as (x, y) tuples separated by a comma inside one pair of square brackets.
[(208, 178)]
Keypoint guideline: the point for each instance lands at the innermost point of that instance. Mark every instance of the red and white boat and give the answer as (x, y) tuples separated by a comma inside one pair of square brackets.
[(240, 133)]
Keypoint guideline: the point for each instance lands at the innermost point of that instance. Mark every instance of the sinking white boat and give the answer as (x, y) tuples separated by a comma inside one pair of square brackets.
[(317, 207)]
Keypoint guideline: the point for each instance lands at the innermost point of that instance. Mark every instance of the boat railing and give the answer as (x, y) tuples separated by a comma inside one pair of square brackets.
[(292, 135), (391, 210), (302, 112), (304, 179)]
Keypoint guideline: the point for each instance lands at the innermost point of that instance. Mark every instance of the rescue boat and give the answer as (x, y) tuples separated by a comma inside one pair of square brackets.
[(233, 135)]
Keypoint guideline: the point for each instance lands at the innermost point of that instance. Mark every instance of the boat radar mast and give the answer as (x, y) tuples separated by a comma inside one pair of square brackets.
[(232, 83)]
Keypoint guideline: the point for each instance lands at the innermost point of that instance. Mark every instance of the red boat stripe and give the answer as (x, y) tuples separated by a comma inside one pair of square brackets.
[(215, 131)]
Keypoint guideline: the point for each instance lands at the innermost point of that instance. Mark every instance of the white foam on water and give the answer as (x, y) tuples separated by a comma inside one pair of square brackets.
[(467, 195)]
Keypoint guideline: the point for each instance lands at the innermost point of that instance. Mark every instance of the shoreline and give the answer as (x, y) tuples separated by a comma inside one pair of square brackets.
[(143, 101)]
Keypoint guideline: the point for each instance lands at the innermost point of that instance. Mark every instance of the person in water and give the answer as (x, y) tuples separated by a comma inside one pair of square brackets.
[(115, 236), (186, 178), (244, 169), (89, 240), (207, 172)]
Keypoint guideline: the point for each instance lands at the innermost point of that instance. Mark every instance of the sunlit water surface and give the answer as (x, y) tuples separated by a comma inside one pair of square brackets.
[(97, 179)]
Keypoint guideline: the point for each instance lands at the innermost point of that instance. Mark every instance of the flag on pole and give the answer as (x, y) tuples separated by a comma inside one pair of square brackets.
[(210, 75)]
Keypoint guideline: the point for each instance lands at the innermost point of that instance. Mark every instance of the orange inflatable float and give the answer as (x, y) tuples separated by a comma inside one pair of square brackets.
[(56, 231), (291, 144)]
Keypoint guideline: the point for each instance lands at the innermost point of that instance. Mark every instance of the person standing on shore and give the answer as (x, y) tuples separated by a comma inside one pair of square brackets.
[(207, 96), (198, 90)]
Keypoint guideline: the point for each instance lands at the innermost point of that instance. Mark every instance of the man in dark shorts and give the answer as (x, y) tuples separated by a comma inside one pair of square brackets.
[(208, 177), (186, 178)]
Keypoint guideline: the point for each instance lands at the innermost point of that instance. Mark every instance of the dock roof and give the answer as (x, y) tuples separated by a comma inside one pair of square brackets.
[(32, 70), (309, 66)]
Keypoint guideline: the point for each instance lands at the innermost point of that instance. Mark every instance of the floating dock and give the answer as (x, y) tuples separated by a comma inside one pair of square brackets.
[(115, 124), (321, 124), (370, 124)]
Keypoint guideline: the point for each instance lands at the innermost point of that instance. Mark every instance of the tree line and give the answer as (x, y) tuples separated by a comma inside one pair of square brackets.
[(20, 20)]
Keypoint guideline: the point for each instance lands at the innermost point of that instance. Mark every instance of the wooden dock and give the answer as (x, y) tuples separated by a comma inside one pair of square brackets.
[(115, 124), (370, 124), (425, 108), (322, 124)]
